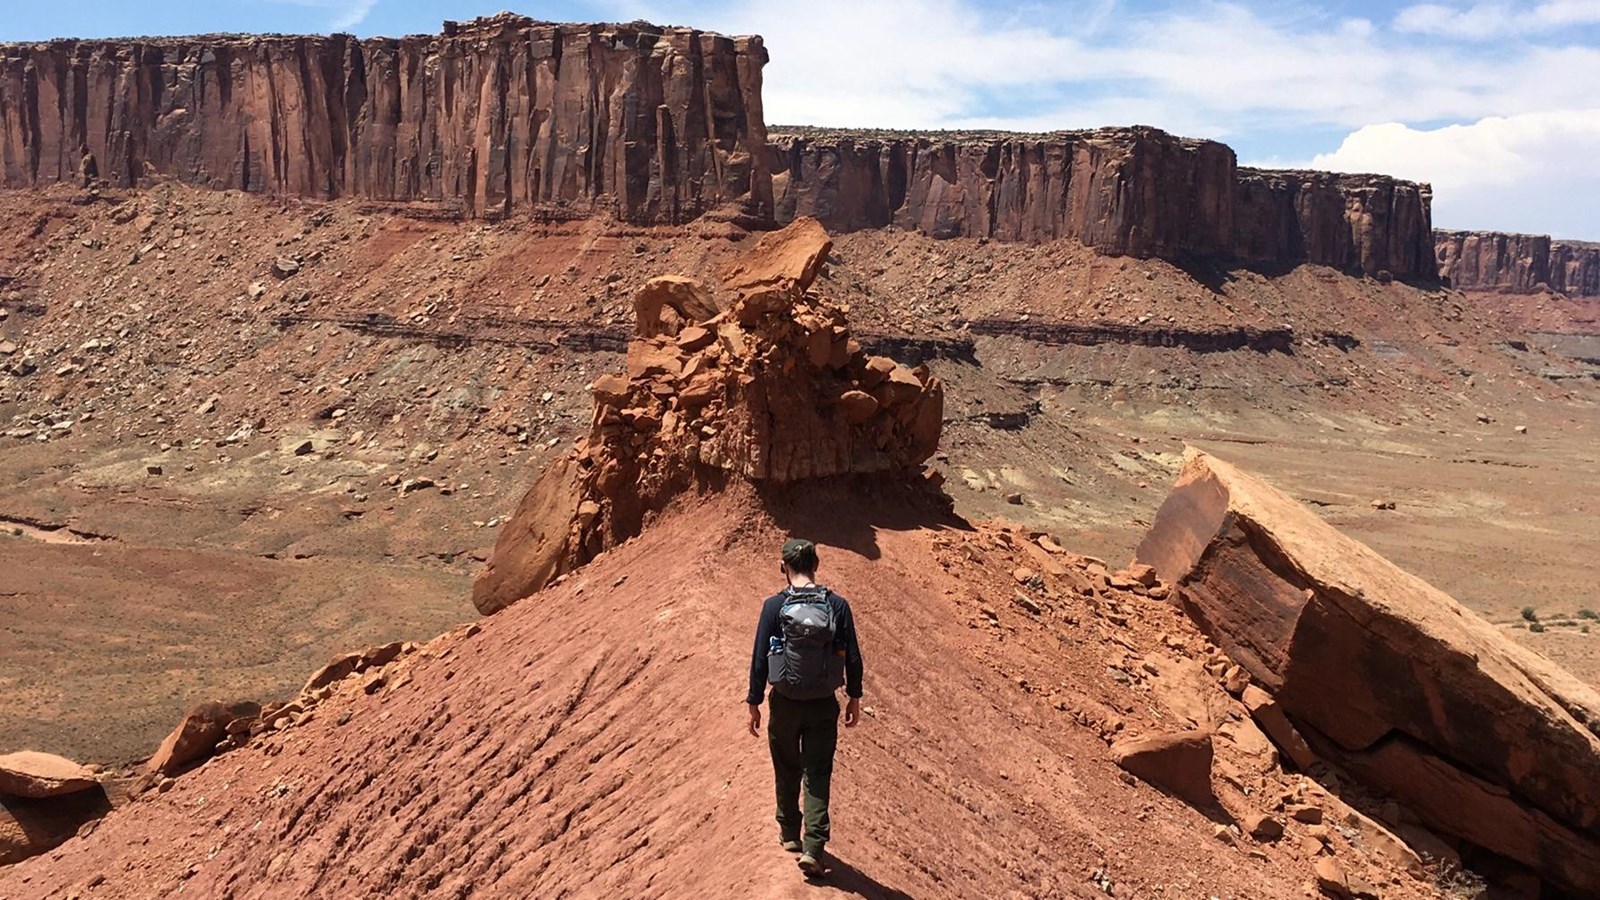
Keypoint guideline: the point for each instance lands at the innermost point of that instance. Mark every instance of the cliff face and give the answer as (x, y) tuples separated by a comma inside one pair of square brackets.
[(1137, 191), (491, 116), (1518, 263), (506, 115)]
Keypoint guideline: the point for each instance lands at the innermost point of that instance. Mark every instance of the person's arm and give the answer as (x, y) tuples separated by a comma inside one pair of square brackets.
[(853, 666), (766, 627)]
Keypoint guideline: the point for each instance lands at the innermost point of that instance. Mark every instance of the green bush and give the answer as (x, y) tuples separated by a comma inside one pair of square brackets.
[(1529, 614), (1587, 613), (1536, 627)]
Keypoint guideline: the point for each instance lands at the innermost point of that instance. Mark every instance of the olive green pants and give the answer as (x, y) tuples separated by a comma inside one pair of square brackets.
[(802, 735)]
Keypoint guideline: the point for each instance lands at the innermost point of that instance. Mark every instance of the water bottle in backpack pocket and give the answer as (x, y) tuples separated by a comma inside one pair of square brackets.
[(803, 665)]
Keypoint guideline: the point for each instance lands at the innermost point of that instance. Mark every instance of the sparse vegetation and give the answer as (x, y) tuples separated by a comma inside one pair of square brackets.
[(1587, 613), (1530, 614), (1453, 881), (1536, 627), (1584, 629)]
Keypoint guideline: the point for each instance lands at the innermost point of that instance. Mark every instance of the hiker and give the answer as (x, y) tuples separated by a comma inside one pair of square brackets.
[(805, 648)]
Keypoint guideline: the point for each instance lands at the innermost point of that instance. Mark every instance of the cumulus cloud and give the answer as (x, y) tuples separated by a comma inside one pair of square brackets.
[(342, 14), (1265, 77), (1481, 21), (1532, 172)]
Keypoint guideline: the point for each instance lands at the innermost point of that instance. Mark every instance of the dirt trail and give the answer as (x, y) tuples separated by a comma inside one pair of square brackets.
[(589, 742)]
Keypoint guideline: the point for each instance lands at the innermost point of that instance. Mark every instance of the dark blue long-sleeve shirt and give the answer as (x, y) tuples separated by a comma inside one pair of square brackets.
[(844, 638)]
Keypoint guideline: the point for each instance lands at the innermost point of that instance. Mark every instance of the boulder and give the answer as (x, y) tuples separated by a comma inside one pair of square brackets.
[(786, 260), (858, 406), (196, 737), (1178, 763), (1388, 676), (536, 544), (32, 774)]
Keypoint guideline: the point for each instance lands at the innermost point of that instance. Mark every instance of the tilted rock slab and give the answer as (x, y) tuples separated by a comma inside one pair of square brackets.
[(493, 116), (1387, 675), (754, 377), (30, 773)]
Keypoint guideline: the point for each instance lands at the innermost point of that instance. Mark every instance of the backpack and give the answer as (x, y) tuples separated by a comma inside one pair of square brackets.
[(802, 665)]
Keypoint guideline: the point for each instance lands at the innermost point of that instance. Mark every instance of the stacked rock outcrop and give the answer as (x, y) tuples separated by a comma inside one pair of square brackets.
[(1136, 191), (754, 376), (1387, 676), (1518, 263), (492, 116)]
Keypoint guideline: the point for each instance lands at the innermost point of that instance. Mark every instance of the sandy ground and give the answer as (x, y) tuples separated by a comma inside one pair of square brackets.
[(293, 421)]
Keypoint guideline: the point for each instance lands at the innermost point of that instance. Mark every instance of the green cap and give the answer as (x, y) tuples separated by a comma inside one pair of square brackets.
[(800, 555)]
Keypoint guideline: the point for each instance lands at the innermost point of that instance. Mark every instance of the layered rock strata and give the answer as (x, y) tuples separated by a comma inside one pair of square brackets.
[(1387, 676), (1136, 191), (493, 116), (1518, 263), (752, 376), (44, 799)]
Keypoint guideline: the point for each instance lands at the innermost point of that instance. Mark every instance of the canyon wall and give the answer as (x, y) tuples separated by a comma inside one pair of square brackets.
[(493, 116), (507, 115), (1518, 263), (1138, 191)]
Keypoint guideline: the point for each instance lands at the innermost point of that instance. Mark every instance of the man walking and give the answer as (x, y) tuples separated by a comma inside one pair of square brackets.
[(805, 648)]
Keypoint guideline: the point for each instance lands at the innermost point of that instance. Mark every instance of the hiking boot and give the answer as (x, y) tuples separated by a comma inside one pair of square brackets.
[(811, 864), (791, 846)]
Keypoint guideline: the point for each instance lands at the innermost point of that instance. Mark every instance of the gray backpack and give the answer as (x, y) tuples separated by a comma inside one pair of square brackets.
[(803, 665)]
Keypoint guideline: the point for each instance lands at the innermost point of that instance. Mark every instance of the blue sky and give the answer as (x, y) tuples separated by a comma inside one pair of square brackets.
[(1493, 101)]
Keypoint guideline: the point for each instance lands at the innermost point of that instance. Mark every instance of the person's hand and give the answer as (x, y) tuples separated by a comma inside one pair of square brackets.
[(755, 719), (852, 712)]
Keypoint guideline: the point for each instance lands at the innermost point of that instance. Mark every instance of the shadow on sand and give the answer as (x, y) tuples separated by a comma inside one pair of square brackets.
[(844, 878), (848, 512)]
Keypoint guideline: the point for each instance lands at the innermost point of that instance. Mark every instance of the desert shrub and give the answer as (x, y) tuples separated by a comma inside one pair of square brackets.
[(1584, 629), (1529, 614), (1587, 613), (1536, 627)]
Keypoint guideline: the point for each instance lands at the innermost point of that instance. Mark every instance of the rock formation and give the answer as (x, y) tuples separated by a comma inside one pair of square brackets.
[(197, 735), (755, 377), (33, 774), (1136, 191), (1388, 676), (44, 799), (1518, 263), (493, 116)]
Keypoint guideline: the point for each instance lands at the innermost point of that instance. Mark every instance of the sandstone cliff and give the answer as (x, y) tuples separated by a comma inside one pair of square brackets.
[(490, 116), (1518, 263), (1138, 191)]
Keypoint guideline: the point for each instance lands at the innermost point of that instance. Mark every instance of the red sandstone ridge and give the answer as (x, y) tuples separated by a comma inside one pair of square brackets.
[(1136, 191), (492, 116), (1518, 263), (752, 377)]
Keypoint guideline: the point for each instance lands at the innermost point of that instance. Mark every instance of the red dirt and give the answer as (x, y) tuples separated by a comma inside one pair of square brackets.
[(589, 742)]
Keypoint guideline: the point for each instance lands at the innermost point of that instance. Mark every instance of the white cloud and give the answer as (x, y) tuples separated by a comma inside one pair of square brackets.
[(1496, 20), (1532, 172), (1218, 69), (343, 14)]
